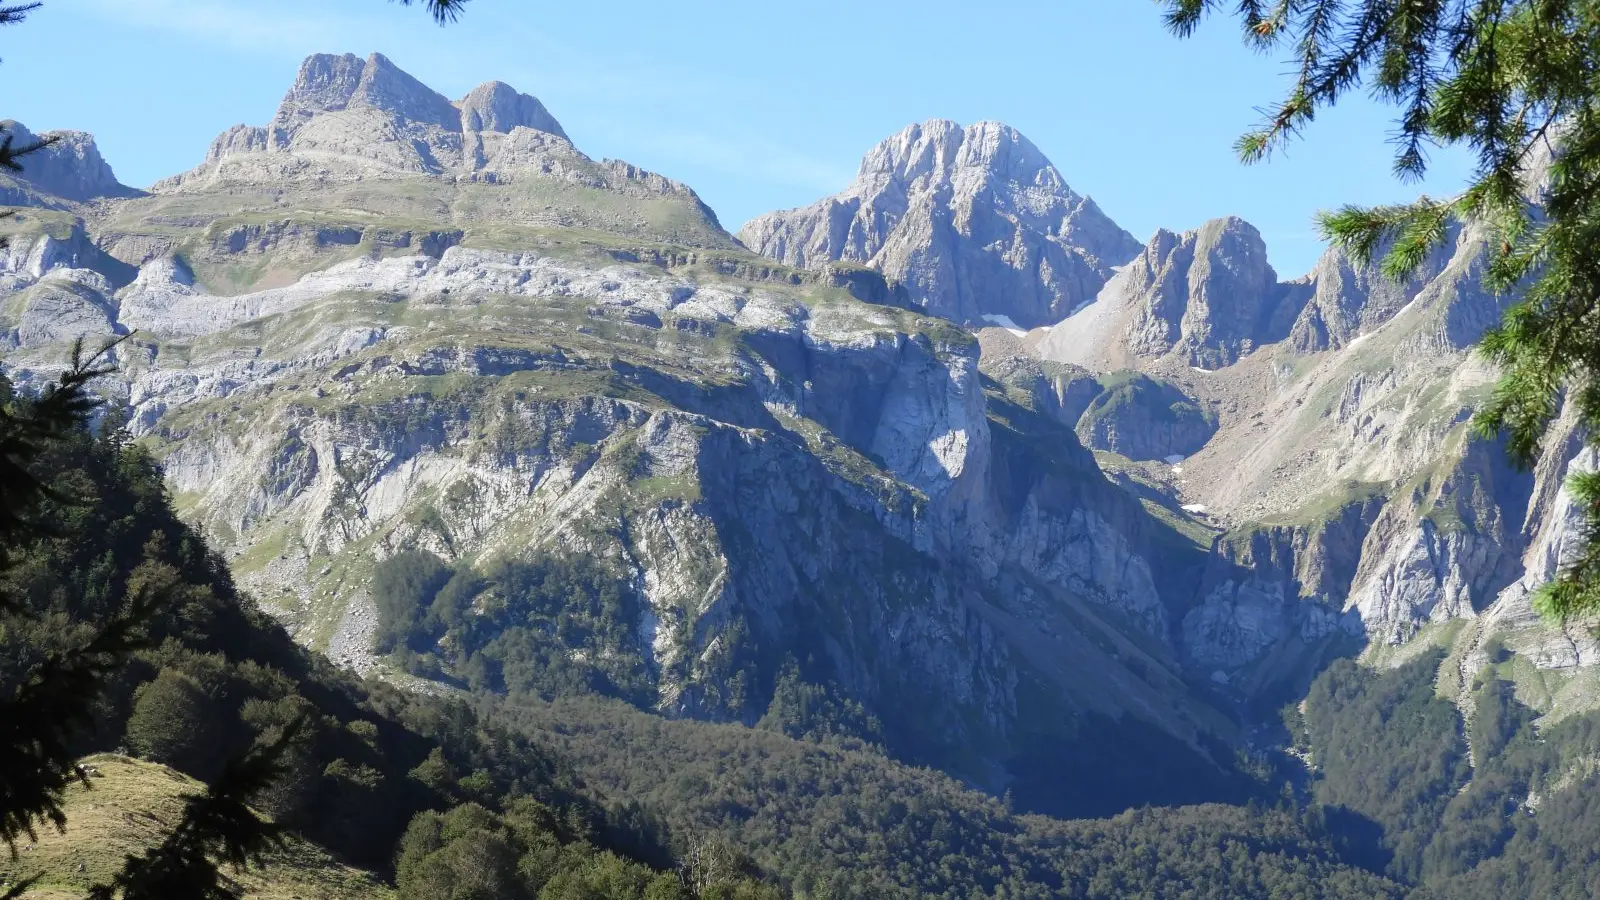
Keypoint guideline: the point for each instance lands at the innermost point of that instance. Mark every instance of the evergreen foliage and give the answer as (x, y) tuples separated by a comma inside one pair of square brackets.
[(550, 627), (840, 820), (1518, 83), (1391, 758), (817, 712), (471, 853), (210, 678), (174, 722), (1387, 749)]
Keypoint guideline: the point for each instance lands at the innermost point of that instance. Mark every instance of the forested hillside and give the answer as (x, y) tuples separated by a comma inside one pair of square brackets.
[(217, 674)]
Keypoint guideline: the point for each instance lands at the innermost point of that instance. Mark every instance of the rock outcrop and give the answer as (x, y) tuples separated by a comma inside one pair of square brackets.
[(1142, 418), (68, 170), (1207, 296), (973, 221)]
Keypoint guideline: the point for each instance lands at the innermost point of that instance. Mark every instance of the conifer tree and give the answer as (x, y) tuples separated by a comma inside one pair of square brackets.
[(1516, 82)]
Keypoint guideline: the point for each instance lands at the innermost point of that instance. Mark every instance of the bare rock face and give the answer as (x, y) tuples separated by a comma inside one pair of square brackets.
[(1059, 390), (974, 222), (1207, 296), (329, 84), (1142, 418), (496, 106), (70, 170)]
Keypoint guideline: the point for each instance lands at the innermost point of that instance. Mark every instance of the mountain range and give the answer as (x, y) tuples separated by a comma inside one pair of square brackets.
[(1064, 515)]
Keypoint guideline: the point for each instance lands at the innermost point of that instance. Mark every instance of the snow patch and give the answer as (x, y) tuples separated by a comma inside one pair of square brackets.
[(1174, 459), (1206, 371), (1194, 507), (1005, 322), (1397, 314)]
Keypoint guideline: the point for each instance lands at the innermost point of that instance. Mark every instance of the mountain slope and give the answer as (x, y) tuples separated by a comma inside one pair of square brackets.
[(762, 464), (1354, 495), (126, 806)]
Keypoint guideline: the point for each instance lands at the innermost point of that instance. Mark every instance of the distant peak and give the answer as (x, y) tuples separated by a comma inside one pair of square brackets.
[(938, 147), (325, 82), (71, 168), (497, 106), (1232, 231), (330, 83)]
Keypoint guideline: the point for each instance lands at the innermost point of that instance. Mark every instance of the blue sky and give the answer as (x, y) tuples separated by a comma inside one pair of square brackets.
[(755, 105)]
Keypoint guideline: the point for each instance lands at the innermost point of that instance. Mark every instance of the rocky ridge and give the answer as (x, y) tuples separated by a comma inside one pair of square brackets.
[(1354, 497)]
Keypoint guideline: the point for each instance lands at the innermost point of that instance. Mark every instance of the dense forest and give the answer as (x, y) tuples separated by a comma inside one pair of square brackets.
[(1503, 808)]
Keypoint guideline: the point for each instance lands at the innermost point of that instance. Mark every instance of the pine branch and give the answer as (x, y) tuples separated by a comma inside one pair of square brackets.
[(14, 15), (443, 11), (28, 424), (11, 153), (39, 720)]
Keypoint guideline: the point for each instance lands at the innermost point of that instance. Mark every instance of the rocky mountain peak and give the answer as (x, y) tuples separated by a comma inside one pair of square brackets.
[(328, 83), (71, 169), (359, 118), (939, 151), (1207, 295), (1233, 294), (974, 221), (497, 106)]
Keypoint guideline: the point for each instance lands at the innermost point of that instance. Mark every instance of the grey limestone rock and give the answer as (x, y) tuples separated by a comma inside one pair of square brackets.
[(973, 221), (496, 106), (348, 119), (69, 170)]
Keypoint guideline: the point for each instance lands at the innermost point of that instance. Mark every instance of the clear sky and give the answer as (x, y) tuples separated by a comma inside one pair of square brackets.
[(756, 105)]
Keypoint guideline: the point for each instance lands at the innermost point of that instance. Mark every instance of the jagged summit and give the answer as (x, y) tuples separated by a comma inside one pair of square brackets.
[(372, 111), (71, 170), (938, 149), (974, 220), (328, 83), (1207, 295)]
